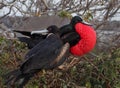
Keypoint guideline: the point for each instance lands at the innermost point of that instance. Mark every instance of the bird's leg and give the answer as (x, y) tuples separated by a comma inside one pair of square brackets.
[(62, 67), (73, 62)]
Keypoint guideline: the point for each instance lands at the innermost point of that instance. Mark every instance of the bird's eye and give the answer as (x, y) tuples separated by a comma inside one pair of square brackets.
[(49, 29)]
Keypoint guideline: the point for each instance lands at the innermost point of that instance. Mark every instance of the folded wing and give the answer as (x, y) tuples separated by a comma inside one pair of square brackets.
[(47, 54)]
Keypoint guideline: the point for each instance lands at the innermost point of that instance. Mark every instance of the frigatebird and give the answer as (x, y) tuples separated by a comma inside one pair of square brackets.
[(47, 54), (30, 39), (66, 31), (53, 50), (80, 35)]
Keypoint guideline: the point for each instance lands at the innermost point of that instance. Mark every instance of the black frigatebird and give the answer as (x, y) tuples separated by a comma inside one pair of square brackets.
[(80, 35), (66, 31), (30, 39), (47, 54), (53, 49)]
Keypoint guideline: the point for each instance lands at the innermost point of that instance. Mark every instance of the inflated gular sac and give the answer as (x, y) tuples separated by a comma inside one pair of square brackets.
[(87, 41)]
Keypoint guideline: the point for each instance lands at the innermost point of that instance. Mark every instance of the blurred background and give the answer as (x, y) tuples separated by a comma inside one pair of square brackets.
[(98, 69)]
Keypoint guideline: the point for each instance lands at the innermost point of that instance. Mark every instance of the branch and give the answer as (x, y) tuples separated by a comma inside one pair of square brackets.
[(2, 5), (7, 13)]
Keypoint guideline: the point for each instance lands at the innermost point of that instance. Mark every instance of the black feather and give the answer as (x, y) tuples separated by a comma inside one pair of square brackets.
[(47, 54), (30, 40)]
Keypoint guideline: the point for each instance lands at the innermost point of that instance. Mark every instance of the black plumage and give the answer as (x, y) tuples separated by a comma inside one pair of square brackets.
[(67, 34), (30, 39), (47, 54), (46, 51)]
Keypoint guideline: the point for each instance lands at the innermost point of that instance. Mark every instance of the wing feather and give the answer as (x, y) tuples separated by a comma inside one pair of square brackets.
[(43, 54)]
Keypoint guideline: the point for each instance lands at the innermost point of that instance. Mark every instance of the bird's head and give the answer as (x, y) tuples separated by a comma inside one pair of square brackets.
[(76, 20), (51, 29), (68, 32), (71, 26)]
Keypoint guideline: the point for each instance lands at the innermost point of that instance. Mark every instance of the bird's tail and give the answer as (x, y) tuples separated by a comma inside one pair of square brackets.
[(26, 33), (16, 78)]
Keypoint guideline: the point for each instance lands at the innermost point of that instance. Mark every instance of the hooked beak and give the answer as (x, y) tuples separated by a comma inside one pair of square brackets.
[(87, 23), (74, 14), (44, 31)]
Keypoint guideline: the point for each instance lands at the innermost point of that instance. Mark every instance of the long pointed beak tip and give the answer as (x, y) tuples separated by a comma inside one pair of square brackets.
[(44, 31)]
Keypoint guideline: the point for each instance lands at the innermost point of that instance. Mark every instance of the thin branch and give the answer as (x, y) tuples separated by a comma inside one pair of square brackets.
[(7, 13)]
